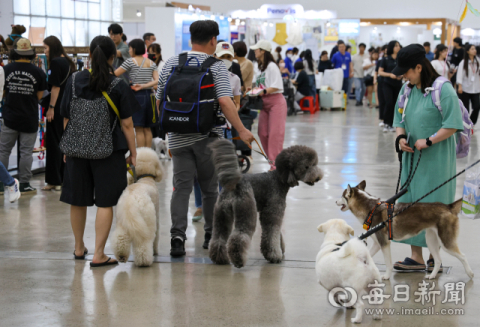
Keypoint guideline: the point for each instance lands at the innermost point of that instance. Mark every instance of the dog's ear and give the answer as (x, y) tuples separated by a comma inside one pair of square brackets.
[(362, 185), (292, 180), (351, 231), (349, 190), (320, 228), (158, 171)]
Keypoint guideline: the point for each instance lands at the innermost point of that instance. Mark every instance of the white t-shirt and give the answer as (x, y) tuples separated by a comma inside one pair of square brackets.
[(271, 77), (236, 84), (357, 61), (370, 71), (441, 67), (160, 66)]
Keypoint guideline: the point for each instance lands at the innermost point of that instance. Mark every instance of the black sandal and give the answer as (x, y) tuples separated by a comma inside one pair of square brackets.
[(106, 263), (80, 257)]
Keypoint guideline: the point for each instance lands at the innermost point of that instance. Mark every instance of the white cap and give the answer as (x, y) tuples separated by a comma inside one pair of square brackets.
[(224, 48), (262, 44)]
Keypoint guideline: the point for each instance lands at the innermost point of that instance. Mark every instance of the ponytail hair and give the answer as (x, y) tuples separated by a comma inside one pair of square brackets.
[(102, 49)]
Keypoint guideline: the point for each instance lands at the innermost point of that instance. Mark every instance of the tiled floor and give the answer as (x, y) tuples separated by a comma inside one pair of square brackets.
[(41, 284)]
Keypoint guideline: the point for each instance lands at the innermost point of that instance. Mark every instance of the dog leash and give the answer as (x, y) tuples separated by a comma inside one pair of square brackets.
[(251, 148), (131, 170)]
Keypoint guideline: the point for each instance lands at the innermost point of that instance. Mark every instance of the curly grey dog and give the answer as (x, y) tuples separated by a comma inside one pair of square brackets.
[(243, 195)]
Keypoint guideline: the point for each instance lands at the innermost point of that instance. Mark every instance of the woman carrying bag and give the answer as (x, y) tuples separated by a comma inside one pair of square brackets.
[(419, 121), (468, 81), (143, 75), (271, 124), (97, 108), (60, 67)]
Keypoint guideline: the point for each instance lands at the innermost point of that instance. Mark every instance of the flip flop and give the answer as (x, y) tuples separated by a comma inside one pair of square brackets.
[(431, 266), (106, 263), (408, 264), (80, 257)]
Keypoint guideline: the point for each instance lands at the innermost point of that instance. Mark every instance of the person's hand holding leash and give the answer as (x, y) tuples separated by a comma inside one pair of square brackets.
[(246, 136), (404, 146), (421, 144)]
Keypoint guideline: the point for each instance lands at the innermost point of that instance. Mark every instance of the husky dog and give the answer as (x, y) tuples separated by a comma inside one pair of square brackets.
[(440, 221), (243, 196), (345, 266)]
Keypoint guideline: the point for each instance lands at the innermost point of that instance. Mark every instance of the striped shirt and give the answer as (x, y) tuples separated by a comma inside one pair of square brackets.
[(139, 75), (221, 79)]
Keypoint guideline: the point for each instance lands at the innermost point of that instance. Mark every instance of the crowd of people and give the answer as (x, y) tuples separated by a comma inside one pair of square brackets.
[(123, 90)]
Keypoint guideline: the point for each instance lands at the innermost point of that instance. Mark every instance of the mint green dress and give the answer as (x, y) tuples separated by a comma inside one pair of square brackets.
[(438, 163)]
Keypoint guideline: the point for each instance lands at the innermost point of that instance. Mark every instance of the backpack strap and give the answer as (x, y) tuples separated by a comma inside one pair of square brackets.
[(73, 85), (209, 62), (182, 58), (436, 92), (105, 95), (403, 101)]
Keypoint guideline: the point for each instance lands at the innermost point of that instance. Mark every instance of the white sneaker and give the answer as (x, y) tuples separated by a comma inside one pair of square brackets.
[(386, 129), (381, 124), (392, 129), (13, 191)]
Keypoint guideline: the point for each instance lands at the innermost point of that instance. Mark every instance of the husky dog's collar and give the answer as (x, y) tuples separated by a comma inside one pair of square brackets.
[(146, 175)]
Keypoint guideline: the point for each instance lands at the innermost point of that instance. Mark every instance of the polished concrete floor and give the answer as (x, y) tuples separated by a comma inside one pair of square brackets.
[(41, 284)]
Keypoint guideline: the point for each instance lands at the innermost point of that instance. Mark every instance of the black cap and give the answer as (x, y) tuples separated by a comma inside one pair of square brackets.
[(409, 57)]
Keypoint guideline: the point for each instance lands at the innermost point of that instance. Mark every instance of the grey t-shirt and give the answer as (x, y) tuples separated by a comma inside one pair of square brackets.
[(357, 61), (118, 61)]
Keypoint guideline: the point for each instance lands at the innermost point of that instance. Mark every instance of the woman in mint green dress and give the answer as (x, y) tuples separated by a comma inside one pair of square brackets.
[(430, 131)]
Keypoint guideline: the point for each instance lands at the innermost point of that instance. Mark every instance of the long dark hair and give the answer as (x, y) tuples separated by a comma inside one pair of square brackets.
[(440, 48), (157, 49), (466, 58), (267, 59), (56, 50), (251, 55), (278, 50), (309, 59), (427, 76), (391, 45), (102, 49)]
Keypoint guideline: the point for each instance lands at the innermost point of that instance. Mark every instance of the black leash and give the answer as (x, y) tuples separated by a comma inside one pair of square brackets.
[(384, 223)]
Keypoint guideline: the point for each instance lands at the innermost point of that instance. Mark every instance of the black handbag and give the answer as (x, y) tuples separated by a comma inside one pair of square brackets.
[(255, 103), (368, 79)]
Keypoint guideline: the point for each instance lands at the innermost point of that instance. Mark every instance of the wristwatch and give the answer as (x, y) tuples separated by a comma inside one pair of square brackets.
[(429, 142), (50, 106), (264, 91)]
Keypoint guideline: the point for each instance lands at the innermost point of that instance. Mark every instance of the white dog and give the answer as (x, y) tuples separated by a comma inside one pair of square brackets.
[(347, 266), (138, 212), (160, 145)]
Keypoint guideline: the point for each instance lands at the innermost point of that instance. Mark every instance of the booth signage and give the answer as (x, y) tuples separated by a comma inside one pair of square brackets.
[(279, 11)]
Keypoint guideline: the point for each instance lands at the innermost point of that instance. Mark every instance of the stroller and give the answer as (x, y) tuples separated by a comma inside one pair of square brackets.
[(247, 118)]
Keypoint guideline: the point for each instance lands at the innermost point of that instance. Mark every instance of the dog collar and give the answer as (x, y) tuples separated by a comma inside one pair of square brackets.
[(339, 246), (146, 175)]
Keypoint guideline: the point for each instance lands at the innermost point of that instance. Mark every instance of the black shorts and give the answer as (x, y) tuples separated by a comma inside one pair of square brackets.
[(94, 182), (147, 116)]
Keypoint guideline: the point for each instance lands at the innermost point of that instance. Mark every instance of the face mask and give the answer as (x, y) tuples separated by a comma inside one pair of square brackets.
[(290, 55), (282, 65), (227, 63), (152, 56)]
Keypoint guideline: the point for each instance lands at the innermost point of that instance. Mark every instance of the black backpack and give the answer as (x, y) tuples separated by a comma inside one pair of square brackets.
[(189, 104)]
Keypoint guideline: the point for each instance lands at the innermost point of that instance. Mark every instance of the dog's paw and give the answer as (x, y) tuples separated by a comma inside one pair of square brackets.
[(385, 277), (218, 253), (377, 317), (356, 321), (273, 254), (123, 259), (431, 276)]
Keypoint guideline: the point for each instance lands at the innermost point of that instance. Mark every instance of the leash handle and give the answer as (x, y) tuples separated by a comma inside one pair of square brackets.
[(131, 170), (251, 148)]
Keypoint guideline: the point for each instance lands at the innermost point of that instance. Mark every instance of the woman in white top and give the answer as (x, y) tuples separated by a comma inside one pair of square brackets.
[(271, 125), (143, 76), (369, 65), (468, 81), (440, 63)]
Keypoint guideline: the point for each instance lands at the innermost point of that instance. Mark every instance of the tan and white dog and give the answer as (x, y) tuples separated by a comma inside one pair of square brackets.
[(137, 212), (347, 266), (439, 220)]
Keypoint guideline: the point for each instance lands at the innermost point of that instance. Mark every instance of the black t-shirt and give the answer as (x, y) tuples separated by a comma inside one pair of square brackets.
[(57, 76), (303, 83), (388, 64), (379, 63), (121, 95), (237, 71), (457, 56), (324, 65), (22, 82)]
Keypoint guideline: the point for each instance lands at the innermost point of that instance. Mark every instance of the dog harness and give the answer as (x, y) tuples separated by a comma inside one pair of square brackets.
[(11, 38), (341, 244), (390, 209)]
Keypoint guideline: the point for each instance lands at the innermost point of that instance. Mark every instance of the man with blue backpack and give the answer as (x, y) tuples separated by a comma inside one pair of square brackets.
[(194, 97), (430, 118)]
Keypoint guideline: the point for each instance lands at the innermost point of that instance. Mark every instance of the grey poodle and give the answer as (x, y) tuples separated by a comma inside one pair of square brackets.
[(243, 196)]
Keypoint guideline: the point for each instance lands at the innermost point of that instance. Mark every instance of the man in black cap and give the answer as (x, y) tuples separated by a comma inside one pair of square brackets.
[(457, 56)]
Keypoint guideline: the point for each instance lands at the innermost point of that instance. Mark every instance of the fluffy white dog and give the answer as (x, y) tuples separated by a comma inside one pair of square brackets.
[(160, 145), (138, 212), (349, 266)]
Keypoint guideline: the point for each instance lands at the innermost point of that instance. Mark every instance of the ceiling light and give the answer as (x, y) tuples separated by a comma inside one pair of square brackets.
[(364, 23), (404, 23), (438, 23), (139, 13), (384, 23), (229, 19), (243, 23), (271, 24), (190, 8), (222, 18)]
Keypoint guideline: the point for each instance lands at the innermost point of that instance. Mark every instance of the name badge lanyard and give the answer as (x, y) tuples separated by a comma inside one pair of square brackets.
[(344, 65), (473, 71)]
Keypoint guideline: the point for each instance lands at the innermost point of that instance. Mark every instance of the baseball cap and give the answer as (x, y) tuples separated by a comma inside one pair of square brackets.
[(262, 44), (224, 48), (409, 57), (22, 46)]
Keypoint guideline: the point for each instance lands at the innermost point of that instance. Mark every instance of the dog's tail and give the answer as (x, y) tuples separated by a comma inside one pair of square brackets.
[(226, 164), (455, 207), (133, 212)]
